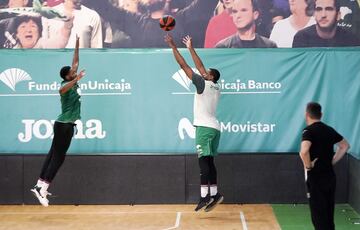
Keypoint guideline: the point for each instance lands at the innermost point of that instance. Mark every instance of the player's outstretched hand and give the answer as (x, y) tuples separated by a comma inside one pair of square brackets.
[(170, 41), (187, 41), (80, 75)]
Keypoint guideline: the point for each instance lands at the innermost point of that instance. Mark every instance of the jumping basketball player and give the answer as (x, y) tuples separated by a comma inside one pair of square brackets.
[(207, 127), (63, 127)]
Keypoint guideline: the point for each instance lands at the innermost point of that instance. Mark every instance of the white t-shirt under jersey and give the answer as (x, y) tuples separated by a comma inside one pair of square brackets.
[(283, 32), (205, 102)]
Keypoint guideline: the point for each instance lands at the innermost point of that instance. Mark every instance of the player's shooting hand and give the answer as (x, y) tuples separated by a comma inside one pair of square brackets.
[(80, 75), (169, 40), (187, 41)]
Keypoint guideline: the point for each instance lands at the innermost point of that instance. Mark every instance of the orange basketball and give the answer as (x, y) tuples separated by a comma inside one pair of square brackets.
[(167, 23)]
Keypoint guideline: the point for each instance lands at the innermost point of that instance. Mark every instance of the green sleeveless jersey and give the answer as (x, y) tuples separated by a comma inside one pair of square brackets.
[(70, 105)]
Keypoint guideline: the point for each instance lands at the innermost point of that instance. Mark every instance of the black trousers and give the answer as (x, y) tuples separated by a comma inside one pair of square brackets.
[(322, 200), (208, 174), (63, 133)]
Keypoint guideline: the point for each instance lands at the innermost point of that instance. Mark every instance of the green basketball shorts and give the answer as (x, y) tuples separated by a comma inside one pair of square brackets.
[(207, 141)]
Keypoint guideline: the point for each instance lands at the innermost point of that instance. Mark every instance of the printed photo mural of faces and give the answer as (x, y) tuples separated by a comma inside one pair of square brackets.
[(54, 24)]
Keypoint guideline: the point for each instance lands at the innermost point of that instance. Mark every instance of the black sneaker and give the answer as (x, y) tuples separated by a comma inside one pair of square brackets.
[(203, 202), (217, 199)]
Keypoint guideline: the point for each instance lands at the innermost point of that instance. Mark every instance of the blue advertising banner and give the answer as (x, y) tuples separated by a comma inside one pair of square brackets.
[(138, 101)]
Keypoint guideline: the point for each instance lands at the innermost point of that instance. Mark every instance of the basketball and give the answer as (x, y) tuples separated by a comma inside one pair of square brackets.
[(167, 23)]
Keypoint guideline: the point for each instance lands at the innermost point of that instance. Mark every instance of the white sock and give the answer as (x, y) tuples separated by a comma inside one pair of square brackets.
[(204, 191), (44, 186), (213, 190), (39, 183)]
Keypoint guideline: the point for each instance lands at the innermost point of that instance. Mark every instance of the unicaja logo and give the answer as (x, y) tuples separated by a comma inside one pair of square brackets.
[(182, 79), (11, 77)]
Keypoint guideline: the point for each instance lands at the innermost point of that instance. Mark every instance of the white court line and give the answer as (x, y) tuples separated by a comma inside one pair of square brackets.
[(100, 213), (97, 213), (243, 221), (177, 222), (77, 213)]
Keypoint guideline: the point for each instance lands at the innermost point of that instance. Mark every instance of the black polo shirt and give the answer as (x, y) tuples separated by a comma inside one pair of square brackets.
[(308, 37), (322, 138)]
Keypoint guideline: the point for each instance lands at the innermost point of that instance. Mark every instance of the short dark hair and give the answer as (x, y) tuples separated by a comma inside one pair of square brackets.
[(25, 18), (215, 73), (314, 110), (336, 4), (310, 7), (64, 72), (255, 5)]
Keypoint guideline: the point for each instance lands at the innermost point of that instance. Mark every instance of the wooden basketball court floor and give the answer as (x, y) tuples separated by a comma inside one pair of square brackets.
[(157, 217)]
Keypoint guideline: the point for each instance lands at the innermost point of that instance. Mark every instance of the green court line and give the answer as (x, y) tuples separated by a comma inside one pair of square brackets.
[(297, 217)]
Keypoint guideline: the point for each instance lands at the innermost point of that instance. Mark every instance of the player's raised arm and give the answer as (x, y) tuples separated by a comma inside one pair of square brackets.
[(75, 62), (179, 59), (198, 63), (71, 83), (63, 127)]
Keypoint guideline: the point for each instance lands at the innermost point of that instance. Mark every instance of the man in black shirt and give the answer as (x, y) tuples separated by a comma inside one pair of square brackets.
[(245, 13), (317, 155), (325, 33)]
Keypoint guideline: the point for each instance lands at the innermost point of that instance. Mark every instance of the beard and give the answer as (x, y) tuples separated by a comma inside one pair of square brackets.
[(247, 26), (328, 28)]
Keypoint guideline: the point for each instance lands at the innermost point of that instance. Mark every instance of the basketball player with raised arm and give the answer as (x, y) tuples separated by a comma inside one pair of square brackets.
[(63, 127), (207, 127)]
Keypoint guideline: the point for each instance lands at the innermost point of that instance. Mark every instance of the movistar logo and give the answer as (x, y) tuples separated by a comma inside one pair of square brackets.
[(187, 130), (186, 127), (11, 77), (181, 77)]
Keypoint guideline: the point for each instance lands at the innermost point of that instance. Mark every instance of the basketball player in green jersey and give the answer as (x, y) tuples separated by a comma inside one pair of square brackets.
[(207, 127), (63, 127)]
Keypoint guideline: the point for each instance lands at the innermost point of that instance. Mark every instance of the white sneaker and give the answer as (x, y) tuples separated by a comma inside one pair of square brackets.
[(41, 195)]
